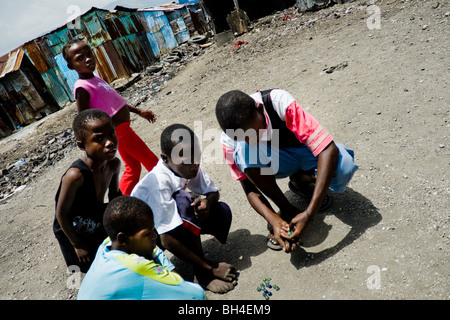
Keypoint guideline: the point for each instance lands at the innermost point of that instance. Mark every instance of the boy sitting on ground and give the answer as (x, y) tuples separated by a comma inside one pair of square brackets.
[(80, 197), (181, 218), (128, 264)]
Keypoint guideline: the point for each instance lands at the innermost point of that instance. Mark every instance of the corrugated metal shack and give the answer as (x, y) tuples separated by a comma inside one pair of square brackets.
[(157, 30), (35, 79), (24, 97), (172, 24), (45, 53)]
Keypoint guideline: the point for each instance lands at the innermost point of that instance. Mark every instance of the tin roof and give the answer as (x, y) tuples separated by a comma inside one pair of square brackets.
[(11, 61), (165, 7)]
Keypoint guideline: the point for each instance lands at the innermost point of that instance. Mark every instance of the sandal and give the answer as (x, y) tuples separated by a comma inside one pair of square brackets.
[(326, 204), (272, 243), (295, 190)]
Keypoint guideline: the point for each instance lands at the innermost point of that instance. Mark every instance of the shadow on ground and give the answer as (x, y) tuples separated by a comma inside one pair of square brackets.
[(241, 246), (351, 207)]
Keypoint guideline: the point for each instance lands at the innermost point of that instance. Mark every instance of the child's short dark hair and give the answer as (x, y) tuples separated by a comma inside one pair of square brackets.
[(234, 110), (71, 42), (171, 137), (125, 214), (80, 122)]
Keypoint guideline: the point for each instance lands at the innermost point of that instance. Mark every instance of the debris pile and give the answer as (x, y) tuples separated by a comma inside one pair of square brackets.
[(264, 31), (153, 78), (14, 176)]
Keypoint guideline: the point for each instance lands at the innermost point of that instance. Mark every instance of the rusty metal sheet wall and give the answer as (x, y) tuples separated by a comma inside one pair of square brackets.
[(138, 23), (56, 89), (111, 27), (95, 28), (5, 129), (41, 52), (131, 52), (19, 108), (145, 43), (104, 67), (24, 112), (127, 53), (24, 87), (11, 62), (160, 35), (58, 38), (23, 96), (156, 41), (69, 76), (137, 49), (8, 109), (115, 60), (178, 25), (35, 55), (198, 19), (129, 25)]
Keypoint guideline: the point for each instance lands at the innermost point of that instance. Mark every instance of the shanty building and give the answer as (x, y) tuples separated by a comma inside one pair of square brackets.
[(24, 96)]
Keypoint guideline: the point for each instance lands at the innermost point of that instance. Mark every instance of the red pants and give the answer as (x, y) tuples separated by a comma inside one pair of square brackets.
[(134, 152)]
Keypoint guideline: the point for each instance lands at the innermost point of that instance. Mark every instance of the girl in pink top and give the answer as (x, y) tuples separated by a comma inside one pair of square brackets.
[(91, 91)]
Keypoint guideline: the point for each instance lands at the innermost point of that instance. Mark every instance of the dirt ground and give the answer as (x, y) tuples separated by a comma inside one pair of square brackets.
[(382, 92)]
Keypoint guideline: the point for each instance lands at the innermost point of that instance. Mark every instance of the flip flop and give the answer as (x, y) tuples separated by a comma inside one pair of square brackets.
[(272, 244), (326, 204), (275, 246), (296, 191)]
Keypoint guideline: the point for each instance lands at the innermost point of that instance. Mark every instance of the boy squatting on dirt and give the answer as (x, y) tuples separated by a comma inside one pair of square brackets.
[(91, 91), (128, 264), (79, 201), (304, 151), (179, 217)]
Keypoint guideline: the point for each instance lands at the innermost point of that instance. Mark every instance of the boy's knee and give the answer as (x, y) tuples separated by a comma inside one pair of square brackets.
[(224, 210), (344, 171), (256, 173)]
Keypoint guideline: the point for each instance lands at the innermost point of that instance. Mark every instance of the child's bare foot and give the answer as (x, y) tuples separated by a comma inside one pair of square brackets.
[(225, 271), (220, 279), (219, 286)]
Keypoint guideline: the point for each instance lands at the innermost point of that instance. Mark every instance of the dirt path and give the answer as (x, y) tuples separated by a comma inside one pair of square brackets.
[(383, 92)]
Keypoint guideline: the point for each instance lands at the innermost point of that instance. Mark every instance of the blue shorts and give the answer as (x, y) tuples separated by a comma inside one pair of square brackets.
[(285, 162)]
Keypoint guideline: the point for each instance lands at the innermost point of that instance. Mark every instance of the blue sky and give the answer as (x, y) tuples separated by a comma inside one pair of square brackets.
[(24, 20)]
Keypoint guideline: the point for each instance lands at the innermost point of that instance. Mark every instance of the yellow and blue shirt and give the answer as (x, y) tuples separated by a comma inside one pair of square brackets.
[(116, 275)]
